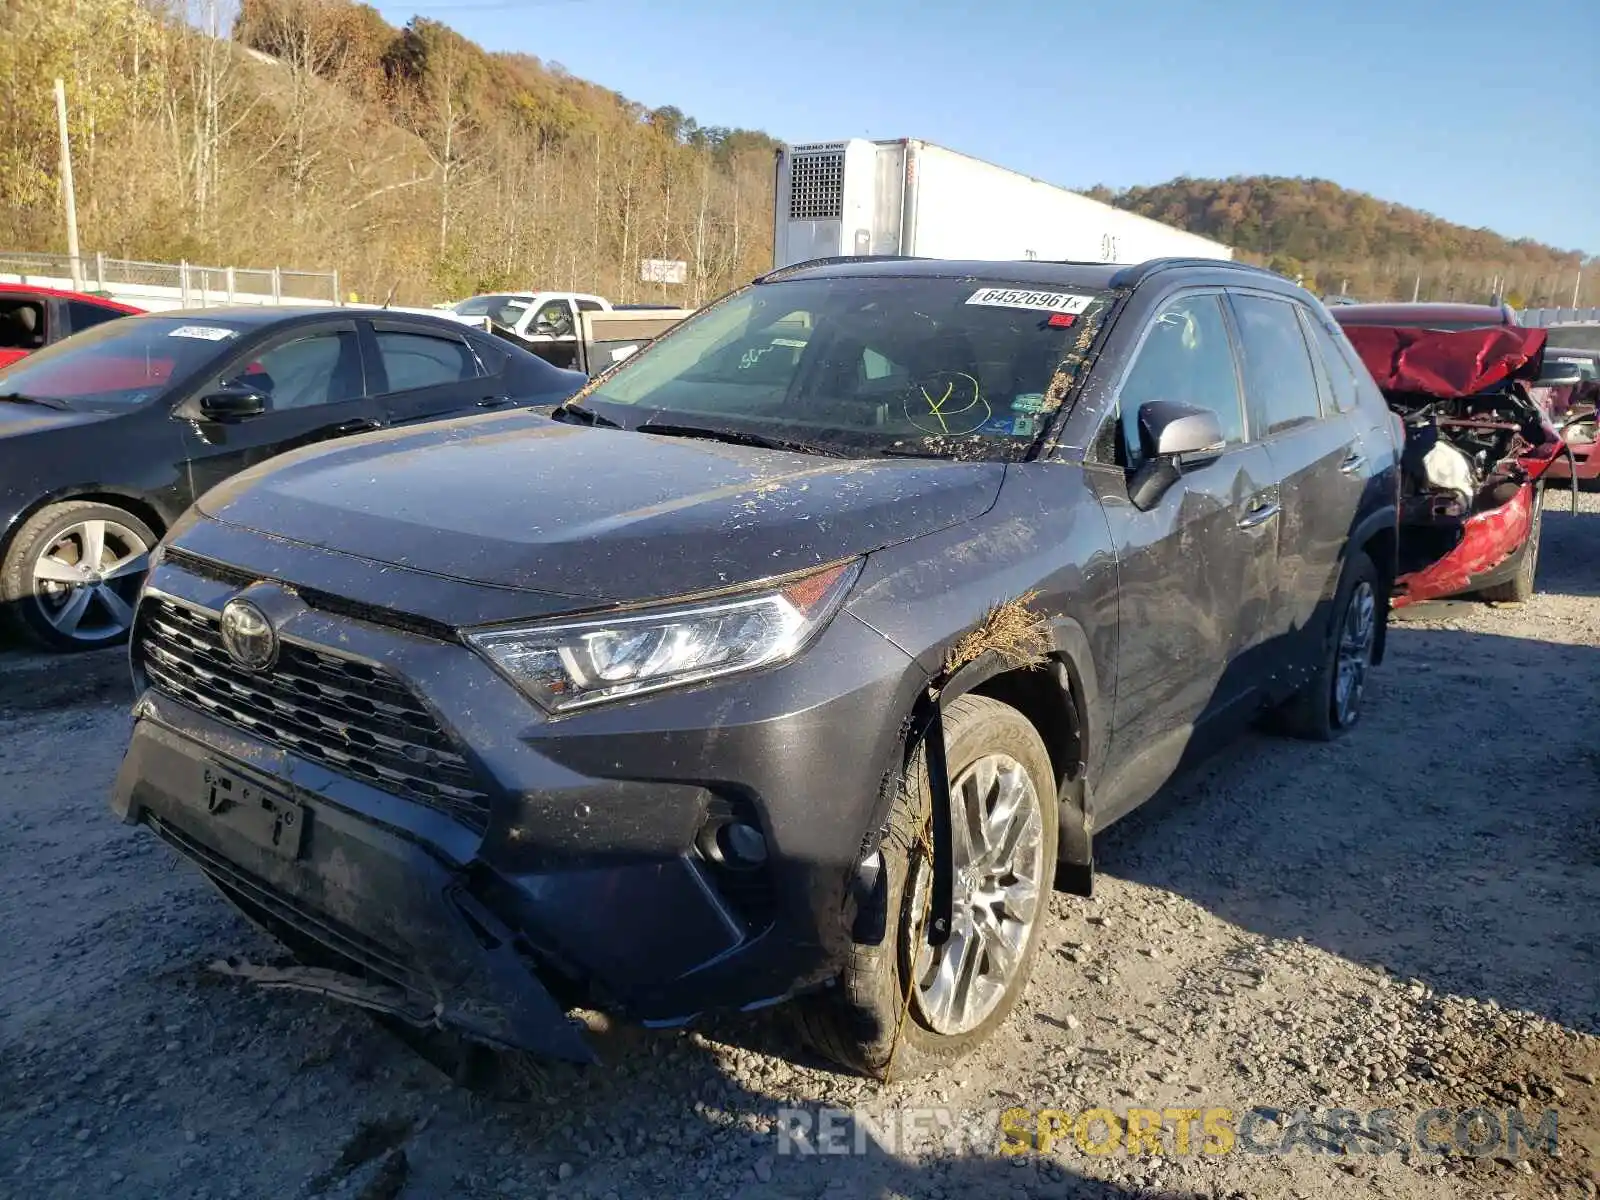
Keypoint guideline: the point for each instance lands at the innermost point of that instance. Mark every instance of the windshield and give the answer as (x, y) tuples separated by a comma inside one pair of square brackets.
[(942, 367), (121, 364), (505, 310)]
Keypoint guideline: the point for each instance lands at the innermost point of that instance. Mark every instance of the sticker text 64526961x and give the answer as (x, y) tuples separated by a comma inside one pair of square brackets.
[(1054, 302), (205, 333)]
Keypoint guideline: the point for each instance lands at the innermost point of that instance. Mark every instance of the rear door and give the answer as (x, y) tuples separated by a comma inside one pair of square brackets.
[(427, 374), (1317, 456), (313, 377), (1196, 570)]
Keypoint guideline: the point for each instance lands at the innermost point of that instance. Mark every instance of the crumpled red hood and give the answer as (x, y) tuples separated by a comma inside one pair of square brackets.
[(1462, 363)]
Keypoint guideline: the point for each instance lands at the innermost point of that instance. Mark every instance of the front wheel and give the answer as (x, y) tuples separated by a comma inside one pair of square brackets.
[(1329, 706), (1519, 588), (73, 572), (902, 1004)]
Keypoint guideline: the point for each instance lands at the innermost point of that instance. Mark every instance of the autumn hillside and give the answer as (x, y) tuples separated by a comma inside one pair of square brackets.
[(321, 137), (312, 134), (1338, 238)]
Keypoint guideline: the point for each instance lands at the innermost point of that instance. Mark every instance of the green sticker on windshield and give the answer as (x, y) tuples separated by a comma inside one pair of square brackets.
[(1031, 402)]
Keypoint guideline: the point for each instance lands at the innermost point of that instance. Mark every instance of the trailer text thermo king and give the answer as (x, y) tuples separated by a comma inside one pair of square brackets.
[(911, 197)]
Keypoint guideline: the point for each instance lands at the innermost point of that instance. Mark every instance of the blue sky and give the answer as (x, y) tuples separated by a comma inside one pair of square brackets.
[(1481, 113)]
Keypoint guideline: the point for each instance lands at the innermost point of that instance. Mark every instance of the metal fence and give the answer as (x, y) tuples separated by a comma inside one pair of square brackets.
[(193, 284), (1545, 317)]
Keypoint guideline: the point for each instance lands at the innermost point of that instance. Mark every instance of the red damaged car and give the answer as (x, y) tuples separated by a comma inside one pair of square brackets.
[(32, 318), (1479, 442)]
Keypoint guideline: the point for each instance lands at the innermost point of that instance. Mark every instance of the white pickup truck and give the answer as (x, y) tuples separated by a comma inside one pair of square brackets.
[(532, 316), (569, 329)]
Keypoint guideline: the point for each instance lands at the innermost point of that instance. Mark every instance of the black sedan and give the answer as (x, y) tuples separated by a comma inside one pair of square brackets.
[(107, 437)]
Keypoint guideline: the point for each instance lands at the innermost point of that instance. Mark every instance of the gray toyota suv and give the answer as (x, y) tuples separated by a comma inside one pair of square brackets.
[(798, 656)]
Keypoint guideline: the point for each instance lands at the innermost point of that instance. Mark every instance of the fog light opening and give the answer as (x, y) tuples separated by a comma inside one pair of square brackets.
[(734, 845)]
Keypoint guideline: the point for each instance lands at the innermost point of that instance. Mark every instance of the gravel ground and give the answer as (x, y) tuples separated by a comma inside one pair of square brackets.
[(1409, 918)]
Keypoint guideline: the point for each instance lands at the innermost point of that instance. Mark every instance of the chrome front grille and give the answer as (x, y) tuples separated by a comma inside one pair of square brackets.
[(350, 717)]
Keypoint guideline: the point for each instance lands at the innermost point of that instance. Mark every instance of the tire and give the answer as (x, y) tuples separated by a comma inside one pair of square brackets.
[(877, 1019), (83, 607), (1321, 711), (1519, 588)]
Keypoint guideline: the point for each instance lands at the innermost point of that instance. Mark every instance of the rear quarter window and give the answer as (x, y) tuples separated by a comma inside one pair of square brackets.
[(1336, 370)]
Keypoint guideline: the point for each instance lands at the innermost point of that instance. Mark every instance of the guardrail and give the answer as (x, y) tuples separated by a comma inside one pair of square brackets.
[(1544, 317), (159, 286)]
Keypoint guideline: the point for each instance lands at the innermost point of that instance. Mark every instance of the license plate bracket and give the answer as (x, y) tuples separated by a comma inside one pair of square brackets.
[(259, 815)]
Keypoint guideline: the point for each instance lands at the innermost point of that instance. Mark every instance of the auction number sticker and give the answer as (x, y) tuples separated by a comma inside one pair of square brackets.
[(206, 333), (1055, 302)]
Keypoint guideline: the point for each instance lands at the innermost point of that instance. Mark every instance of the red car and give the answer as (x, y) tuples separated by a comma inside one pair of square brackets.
[(1479, 443), (31, 318), (1577, 408)]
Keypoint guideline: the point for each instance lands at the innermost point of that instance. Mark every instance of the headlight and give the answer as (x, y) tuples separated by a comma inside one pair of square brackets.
[(580, 663)]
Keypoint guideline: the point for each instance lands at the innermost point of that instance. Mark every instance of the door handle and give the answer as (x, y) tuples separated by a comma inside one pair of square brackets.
[(1261, 511), (1353, 462)]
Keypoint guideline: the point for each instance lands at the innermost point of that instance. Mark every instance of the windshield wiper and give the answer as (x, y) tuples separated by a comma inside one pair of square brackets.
[(735, 437), (587, 415), (42, 401)]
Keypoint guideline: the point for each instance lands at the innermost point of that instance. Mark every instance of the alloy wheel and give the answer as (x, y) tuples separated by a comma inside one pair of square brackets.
[(85, 582), (1356, 638), (998, 855)]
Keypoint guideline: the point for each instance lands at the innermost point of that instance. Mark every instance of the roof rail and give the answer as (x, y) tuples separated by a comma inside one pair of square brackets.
[(780, 272), (1139, 272)]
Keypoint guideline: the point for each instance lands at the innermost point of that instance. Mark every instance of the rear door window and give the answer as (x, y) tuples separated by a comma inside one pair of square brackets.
[(419, 360), (1280, 383)]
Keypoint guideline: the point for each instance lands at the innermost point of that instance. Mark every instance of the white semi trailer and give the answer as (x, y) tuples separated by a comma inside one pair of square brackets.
[(907, 196)]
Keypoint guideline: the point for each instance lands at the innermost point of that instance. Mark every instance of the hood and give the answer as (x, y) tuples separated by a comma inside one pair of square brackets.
[(19, 419), (1422, 362), (595, 515)]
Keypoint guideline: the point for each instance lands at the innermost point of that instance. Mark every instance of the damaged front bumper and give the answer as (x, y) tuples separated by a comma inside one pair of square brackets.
[(1486, 554), (375, 919), (580, 879)]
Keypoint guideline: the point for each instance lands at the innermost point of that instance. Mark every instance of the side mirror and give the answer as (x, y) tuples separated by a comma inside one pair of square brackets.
[(1168, 429), (1172, 436), (232, 403)]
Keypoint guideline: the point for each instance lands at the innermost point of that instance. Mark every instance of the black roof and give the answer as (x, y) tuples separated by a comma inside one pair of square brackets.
[(1032, 271)]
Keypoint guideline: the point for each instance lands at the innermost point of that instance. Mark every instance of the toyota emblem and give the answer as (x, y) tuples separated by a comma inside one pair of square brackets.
[(248, 636)]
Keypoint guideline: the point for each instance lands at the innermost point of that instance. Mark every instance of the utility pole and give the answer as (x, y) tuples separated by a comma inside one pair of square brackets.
[(1576, 285), (66, 188)]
